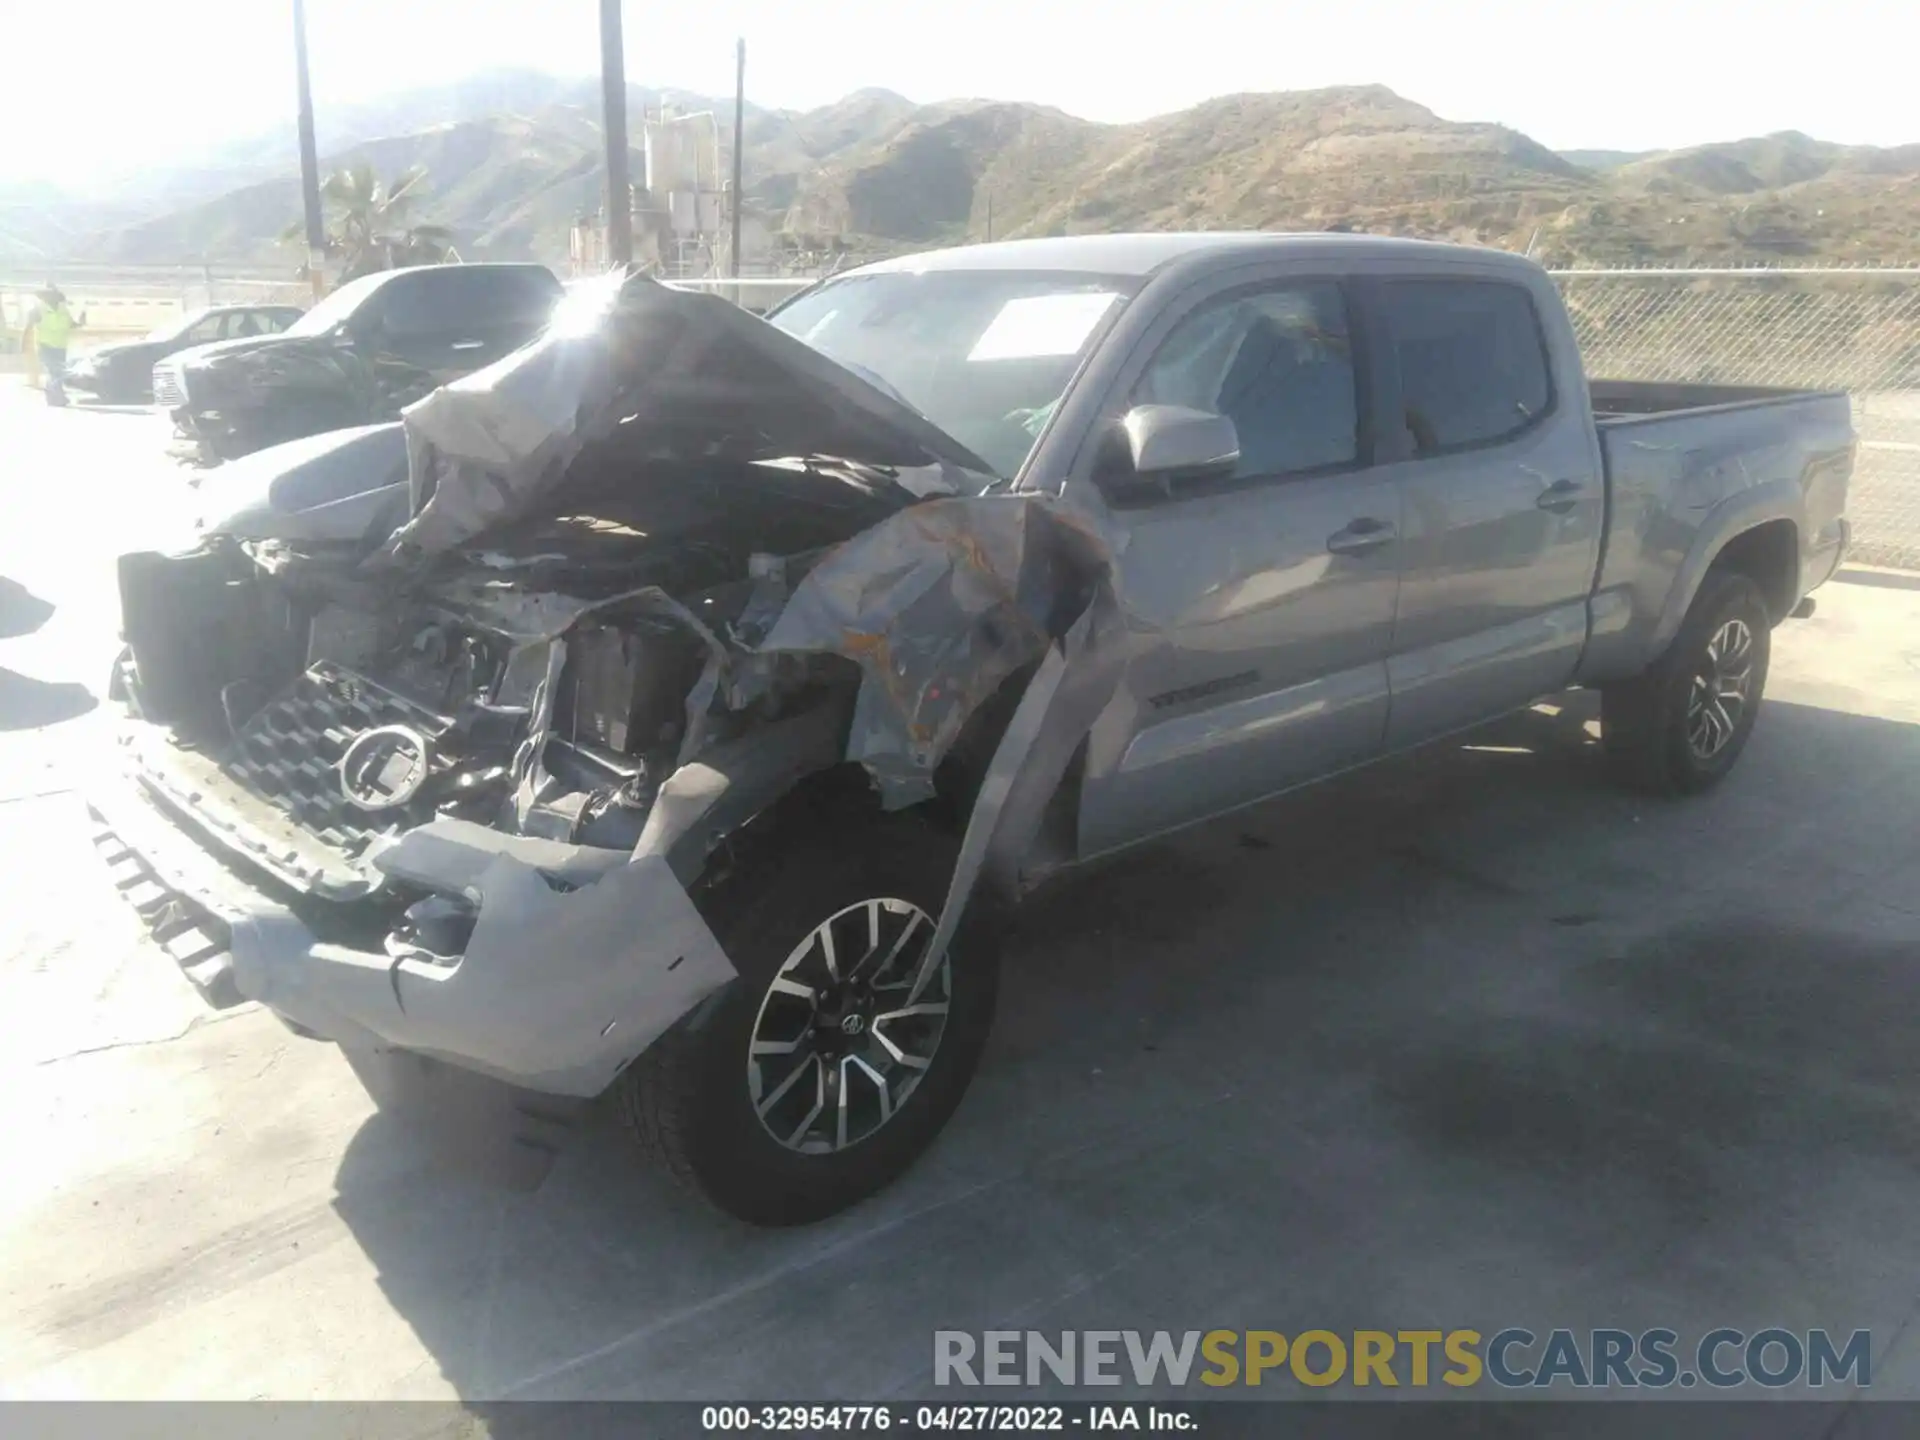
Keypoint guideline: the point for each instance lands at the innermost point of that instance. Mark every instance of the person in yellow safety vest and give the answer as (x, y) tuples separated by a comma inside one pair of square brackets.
[(50, 337), (29, 351)]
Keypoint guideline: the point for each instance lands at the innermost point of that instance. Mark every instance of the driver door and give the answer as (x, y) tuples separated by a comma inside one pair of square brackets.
[(1260, 606)]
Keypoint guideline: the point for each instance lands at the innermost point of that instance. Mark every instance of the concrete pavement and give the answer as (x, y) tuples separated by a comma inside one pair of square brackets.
[(1470, 1040)]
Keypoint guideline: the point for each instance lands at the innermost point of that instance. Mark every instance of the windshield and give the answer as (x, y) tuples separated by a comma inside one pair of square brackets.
[(336, 307), (983, 354)]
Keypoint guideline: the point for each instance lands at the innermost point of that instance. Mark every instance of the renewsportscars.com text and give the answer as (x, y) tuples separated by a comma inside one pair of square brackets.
[(1513, 1358)]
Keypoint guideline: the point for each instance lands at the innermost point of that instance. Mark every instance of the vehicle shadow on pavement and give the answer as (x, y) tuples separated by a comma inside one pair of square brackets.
[(1469, 1036), (21, 611), (28, 704)]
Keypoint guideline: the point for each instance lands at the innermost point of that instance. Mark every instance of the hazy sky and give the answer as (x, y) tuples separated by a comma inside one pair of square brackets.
[(104, 86)]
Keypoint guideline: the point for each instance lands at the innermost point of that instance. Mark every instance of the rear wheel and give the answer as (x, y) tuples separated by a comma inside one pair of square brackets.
[(1679, 728), (820, 1073)]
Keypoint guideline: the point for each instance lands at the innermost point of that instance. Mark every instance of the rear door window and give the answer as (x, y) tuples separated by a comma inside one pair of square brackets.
[(414, 307), (1472, 359), (439, 302)]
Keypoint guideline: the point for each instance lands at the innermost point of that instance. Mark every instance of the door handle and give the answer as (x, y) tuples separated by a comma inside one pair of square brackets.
[(1360, 537), (1561, 496)]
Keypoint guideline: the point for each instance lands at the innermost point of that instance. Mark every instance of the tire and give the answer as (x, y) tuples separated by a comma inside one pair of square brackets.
[(1652, 725), (694, 1100)]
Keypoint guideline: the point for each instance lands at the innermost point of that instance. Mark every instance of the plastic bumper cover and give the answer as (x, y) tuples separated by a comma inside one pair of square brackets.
[(558, 989)]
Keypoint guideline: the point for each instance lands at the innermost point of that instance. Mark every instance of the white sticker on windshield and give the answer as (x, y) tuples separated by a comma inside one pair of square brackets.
[(1040, 325)]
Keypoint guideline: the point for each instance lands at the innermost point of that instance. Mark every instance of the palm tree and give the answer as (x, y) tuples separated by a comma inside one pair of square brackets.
[(368, 226)]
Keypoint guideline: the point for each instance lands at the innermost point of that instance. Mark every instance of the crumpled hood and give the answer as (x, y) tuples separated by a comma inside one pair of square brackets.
[(694, 373)]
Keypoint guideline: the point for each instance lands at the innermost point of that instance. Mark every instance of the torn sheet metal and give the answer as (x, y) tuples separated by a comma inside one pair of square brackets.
[(476, 448), (706, 800), (693, 374), (1075, 681), (939, 606)]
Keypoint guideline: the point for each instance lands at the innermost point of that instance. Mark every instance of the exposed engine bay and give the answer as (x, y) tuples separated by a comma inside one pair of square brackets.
[(543, 683)]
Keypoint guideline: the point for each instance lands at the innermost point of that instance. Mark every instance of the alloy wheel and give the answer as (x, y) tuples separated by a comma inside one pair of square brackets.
[(836, 1047), (1721, 690)]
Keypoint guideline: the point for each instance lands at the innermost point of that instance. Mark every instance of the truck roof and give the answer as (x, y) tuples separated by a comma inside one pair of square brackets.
[(1142, 254)]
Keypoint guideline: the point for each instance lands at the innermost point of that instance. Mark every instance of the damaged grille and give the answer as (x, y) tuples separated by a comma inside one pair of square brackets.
[(290, 754), (195, 938)]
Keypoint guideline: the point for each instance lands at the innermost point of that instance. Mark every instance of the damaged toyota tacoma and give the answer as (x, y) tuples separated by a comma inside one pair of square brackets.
[(675, 708)]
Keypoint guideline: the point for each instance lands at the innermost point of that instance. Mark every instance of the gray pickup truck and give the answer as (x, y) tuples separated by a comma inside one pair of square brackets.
[(673, 710)]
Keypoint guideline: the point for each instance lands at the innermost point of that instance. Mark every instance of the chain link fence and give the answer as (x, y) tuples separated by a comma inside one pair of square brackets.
[(1852, 330), (1856, 330)]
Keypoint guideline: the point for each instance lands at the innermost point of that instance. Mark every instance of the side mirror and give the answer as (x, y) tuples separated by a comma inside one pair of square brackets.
[(1156, 445)]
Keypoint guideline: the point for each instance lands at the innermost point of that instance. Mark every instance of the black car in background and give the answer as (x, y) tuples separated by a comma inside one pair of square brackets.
[(122, 373), (376, 344)]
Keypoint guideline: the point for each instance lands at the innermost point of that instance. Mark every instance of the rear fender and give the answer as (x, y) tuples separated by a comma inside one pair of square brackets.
[(1733, 517)]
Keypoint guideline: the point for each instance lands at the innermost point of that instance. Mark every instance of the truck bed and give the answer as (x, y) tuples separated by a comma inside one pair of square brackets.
[(1687, 464), (1617, 400)]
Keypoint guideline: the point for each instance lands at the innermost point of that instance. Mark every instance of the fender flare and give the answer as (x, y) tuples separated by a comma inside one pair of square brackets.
[(1735, 516)]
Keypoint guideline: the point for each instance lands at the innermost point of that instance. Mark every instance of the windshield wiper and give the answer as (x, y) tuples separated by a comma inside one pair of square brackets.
[(864, 469)]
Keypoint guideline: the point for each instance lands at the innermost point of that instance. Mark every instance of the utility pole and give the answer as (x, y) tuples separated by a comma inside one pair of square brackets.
[(739, 149), (309, 157), (613, 118)]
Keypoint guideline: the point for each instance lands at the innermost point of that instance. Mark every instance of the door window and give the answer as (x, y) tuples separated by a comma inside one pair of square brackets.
[(1473, 364), (1278, 362), (444, 300), (412, 308), (206, 331)]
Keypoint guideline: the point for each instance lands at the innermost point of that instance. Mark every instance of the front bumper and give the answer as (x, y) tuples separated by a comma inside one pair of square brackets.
[(169, 387), (561, 985)]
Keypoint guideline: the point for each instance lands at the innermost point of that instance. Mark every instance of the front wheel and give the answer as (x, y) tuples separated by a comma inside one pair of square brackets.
[(818, 1075), (1679, 728)]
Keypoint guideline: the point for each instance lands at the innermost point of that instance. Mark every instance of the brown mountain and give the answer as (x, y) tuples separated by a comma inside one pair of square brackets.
[(875, 173), (1770, 162)]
